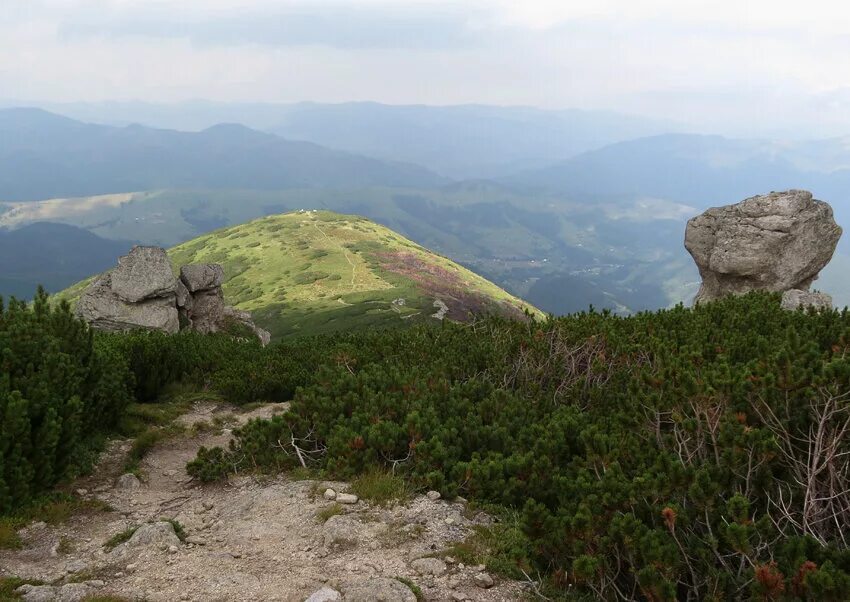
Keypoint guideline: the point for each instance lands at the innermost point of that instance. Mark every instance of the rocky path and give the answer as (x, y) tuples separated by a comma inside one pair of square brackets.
[(246, 539)]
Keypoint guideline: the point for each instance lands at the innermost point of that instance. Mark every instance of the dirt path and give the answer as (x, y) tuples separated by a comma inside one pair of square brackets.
[(246, 539)]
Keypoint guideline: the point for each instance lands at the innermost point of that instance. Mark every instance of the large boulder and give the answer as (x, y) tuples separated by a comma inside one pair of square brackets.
[(101, 307), (207, 312), (774, 242), (142, 292), (144, 273), (202, 276)]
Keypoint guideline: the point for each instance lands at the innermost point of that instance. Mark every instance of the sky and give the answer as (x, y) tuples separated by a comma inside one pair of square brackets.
[(746, 66)]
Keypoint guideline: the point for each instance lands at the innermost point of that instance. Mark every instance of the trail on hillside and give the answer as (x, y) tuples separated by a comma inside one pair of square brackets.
[(344, 253), (247, 539)]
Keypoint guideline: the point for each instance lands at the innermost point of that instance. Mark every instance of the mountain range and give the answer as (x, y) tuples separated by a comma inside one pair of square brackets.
[(43, 155), (603, 226)]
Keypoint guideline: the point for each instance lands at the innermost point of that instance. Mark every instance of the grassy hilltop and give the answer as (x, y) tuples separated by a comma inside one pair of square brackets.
[(312, 272)]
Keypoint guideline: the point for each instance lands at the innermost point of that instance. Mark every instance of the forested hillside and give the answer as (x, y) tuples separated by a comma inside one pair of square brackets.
[(662, 456)]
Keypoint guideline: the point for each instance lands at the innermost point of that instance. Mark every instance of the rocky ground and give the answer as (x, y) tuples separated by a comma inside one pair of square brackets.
[(248, 539)]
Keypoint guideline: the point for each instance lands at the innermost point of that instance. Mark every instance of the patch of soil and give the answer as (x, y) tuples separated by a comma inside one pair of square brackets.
[(246, 539)]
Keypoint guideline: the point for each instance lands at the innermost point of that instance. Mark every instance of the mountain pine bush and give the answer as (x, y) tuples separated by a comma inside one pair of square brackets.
[(686, 454), (57, 392)]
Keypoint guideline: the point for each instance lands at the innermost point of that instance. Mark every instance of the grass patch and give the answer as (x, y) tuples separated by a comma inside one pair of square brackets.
[(325, 513), (81, 577), (119, 538), (145, 442), (417, 591), (53, 509), (502, 547), (8, 585), (66, 545), (398, 533), (9, 539), (382, 488), (178, 529), (301, 473)]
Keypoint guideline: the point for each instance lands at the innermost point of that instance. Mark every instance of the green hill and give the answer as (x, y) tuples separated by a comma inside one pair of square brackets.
[(312, 272)]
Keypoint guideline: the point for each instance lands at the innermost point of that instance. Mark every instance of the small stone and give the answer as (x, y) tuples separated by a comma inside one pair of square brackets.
[(236, 554), (429, 566), (450, 559), (173, 549), (82, 492), (95, 583), (347, 498), (38, 525), (128, 482), (329, 494), (195, 540), (461, 500), (433, 495), (483, 580), (326, 594), (450, 521), (459, 597)]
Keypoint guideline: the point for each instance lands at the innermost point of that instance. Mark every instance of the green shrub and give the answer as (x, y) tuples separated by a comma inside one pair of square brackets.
[(661, 456), (58, 391)]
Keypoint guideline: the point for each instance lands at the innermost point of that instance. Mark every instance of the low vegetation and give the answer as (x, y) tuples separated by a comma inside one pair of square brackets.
[(683, 454), (381, 488), (662, 456), (119, 538), (328, 511)]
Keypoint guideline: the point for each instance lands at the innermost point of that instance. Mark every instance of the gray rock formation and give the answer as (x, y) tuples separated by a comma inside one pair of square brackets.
[(144, 273), (202, 276), (774, 242), (142, 292), (207, 312), (795, 299), (101, 307)]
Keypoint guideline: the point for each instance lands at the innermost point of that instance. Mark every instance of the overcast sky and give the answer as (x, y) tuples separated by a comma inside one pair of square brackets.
[(759, 63)]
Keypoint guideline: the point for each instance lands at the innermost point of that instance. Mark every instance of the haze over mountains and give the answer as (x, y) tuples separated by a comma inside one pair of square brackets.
[(43, 155), (562, 208)]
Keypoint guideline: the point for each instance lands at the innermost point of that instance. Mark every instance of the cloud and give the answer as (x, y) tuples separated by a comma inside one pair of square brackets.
[(719, 64), (344, 25)]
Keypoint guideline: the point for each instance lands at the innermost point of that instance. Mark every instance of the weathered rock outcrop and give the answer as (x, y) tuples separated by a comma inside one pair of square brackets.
[(142, 292), (775, 242), (795, 299), (139, 293)]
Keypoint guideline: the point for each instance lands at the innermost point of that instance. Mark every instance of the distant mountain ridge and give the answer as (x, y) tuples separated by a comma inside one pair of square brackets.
[(458, 141), (43, 155), (697, 170)]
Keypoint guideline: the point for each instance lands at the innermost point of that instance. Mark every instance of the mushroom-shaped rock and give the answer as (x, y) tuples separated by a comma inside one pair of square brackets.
[(773, 242)]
